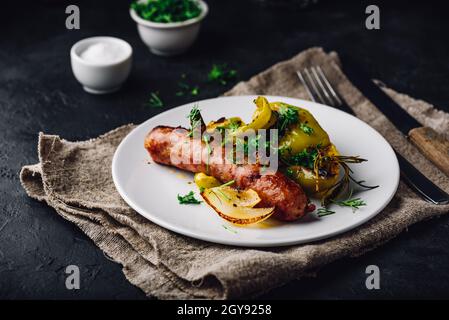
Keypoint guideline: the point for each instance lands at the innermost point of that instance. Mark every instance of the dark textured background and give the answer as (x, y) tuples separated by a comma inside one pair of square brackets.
[(39, 93)]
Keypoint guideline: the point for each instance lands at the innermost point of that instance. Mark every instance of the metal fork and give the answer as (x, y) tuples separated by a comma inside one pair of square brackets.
[(320, 90)]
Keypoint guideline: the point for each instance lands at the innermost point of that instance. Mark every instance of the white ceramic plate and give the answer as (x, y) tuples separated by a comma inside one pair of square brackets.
[(152, 189)]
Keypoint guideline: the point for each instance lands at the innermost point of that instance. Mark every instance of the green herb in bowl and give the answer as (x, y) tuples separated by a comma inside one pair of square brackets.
[(166, 11), (168, 27)]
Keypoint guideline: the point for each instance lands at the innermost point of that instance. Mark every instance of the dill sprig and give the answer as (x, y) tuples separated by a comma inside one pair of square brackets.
[(196, 120), (218, 190), (323, 211), (227, 183), (354, 203), (229, 229), (342, 186), (154, 100), (222, 194)]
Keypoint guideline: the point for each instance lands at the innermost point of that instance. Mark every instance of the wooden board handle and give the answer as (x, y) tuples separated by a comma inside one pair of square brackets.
[(433, 146)]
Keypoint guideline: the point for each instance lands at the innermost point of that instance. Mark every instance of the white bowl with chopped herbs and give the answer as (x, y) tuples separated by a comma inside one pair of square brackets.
[(168, 27)]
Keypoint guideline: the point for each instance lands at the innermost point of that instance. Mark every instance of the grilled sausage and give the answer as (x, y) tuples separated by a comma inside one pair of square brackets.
[(165, 145)]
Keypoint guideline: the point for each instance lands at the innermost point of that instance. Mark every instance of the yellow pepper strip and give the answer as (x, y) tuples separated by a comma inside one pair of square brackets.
[(262, 117), (296, 139)]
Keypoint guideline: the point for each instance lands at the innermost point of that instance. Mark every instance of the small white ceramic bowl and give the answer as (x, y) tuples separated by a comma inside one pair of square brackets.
[(101, 77), (169, 39)]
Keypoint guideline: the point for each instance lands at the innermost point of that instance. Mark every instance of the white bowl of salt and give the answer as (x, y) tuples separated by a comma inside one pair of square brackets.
[(101, 64)]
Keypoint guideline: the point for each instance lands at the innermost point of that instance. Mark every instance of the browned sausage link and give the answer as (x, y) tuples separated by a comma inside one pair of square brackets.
[(165, 146)]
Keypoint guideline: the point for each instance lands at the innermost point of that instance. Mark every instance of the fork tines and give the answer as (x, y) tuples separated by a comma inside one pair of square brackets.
[(318, 86)]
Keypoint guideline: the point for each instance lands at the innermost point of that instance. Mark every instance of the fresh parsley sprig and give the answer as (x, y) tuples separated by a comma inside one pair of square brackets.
[(306, 128), (290, 173), (194, 91), (285, 150), (188, 199), (306, 158), (232, 126), (186, 88), (287, 117), (221, 74)]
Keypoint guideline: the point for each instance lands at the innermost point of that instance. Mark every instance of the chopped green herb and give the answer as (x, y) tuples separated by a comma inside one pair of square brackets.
[(217, 189), (255, 142), (241, 144), (186, 88), (284, 149), (195, 119), (219, 73), (306, 158), (322, 212), (222, 194), (230, 157), (206, 140), (188, 199), (290, 173), (194, 91), (227, 183), (154, 100), (233, 125), (354, 203), (165, 11), (287, 117), (229, 229), (183, 85), (306, 129)]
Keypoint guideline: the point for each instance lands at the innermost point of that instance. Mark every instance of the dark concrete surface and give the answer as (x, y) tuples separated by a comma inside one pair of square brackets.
[(39, 93)]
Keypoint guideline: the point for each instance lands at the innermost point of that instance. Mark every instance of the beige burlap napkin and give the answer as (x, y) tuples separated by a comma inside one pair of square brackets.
[(75, 179)]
